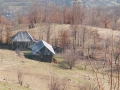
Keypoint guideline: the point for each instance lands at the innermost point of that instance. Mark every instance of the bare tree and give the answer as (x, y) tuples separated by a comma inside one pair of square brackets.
[(118, 76), (8, 34), (93, 19), (1, 33), (116, 50), (48, 32), (106, 44), (63, 18), (105, 20), (74, 35), (96, 38), (64, 39), (49, 18), (34, 13), (71, 57), (3, 23), (115, 15), (20, 77), (83, 39), (75, 12), (57, 84)]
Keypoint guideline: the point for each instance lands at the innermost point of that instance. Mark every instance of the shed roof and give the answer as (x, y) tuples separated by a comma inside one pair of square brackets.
[(22, 36), (42, 48)]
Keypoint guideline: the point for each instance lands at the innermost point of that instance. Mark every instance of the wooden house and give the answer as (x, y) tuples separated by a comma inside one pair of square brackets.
[(22, 39), (43, 50)]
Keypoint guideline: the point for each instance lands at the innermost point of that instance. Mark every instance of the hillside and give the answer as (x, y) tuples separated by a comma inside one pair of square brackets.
[(101, 3), (11, 8), (8, 86), (89, 39), (87, 3), (37, 75)]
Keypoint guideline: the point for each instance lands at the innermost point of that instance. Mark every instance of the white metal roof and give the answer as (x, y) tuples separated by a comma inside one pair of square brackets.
[(43, 48)]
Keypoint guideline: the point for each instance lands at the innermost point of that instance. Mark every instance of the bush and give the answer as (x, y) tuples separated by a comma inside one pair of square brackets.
[(20, 77), (56, 84), (88, 86)]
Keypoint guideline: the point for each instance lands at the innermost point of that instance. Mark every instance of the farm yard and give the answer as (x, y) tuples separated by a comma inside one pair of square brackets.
[(50, 47), (35, 74)]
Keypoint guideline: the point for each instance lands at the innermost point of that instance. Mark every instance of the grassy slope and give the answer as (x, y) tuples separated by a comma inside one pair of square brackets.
[(56, 28), (7, 86), (37, 74)]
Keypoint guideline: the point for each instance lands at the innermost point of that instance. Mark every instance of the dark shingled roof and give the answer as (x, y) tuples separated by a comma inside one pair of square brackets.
[(22, 36)]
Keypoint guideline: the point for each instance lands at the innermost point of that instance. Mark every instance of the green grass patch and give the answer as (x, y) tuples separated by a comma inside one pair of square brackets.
[(58, 58), (81, 68), (63, 65), (28, 52)]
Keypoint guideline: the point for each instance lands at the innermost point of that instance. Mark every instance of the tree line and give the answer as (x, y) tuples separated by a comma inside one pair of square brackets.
[(76, 14)]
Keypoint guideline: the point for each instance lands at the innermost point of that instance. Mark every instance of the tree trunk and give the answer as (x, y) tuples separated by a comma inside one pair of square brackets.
[(71, 67)]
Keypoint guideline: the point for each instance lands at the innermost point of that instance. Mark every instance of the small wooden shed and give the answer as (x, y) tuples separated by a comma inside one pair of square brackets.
[(22, 39), (43, 50)]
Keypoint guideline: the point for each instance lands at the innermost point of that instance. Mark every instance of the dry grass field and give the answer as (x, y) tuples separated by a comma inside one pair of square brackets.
[(37, 75)]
